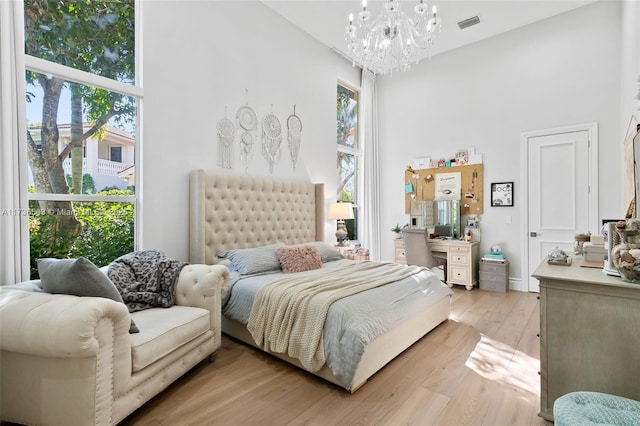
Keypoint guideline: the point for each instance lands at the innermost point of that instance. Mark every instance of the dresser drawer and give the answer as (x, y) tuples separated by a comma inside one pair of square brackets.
[(491, 277), (458, 258), (494, 267), (458, 275), (463, 250), (502, 287)]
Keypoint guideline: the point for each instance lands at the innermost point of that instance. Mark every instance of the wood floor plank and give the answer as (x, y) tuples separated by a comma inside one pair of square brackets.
[(478, 368), (421, 404)]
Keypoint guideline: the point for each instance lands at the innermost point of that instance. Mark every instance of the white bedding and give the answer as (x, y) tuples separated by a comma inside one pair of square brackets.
[(354, 321)]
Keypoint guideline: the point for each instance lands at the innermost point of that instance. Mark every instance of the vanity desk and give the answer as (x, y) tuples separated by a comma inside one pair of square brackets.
[(462, 259), (589, 333)]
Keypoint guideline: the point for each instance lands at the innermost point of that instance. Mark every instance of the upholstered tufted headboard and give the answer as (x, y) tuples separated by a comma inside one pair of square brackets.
[(229, 211)]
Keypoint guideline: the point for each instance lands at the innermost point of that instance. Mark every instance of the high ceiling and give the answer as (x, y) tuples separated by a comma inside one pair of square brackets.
[(326, 20)]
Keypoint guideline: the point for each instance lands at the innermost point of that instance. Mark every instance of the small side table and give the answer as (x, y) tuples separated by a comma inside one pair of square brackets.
[(494, 276)]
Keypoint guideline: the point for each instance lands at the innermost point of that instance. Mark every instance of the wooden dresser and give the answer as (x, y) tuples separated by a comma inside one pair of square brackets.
[(462, 259), (589, 333)]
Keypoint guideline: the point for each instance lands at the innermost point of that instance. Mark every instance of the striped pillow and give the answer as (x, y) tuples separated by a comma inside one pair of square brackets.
[(254, 260)]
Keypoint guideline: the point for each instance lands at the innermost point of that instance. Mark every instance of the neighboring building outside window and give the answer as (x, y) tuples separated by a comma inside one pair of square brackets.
[(81, 112), (348, 151)]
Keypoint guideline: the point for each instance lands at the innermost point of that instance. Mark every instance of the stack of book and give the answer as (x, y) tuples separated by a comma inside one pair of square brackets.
[(494, 257)]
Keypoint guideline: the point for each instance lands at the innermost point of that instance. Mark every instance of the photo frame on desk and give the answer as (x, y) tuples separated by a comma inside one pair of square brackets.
[(502, 194)]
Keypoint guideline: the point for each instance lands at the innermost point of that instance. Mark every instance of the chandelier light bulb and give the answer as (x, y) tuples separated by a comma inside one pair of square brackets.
[(392, 40)]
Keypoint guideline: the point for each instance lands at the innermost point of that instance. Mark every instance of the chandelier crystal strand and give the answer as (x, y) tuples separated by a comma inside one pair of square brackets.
[(393, 40)]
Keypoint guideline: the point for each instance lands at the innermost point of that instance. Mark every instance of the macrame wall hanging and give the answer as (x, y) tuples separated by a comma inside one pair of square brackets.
[(294, 136), (271, 138), (226, 135), (248, 122)]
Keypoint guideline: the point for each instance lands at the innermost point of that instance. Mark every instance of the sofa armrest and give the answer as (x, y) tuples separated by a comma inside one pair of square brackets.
[(64, 358), (57, 325), (204, 286)]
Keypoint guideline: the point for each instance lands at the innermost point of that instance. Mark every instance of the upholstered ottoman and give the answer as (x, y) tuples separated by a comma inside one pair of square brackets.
[(594, 408)]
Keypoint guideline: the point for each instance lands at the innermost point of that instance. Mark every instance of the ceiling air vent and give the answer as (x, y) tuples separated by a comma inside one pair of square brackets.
[(468, 22)]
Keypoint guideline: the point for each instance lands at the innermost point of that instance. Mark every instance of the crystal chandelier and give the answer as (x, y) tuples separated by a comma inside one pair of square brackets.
[(392, 40)]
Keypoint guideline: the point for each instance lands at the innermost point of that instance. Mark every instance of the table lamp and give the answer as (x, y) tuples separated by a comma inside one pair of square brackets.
[(341, 211)]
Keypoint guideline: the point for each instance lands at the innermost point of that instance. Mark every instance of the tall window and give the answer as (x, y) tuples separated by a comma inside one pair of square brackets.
[(81, 111), (349, 152)]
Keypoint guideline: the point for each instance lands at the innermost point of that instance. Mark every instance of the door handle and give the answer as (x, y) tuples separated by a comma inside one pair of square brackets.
[(533, 234)]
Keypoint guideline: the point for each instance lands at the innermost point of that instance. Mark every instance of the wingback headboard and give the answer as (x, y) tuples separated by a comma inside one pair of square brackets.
[(230, 211)]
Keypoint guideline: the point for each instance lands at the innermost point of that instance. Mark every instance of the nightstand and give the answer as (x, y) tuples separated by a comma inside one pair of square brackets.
[(352, 253), (494, 275)]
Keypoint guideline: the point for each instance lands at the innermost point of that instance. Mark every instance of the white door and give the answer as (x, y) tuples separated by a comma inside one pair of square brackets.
[(560, 169)]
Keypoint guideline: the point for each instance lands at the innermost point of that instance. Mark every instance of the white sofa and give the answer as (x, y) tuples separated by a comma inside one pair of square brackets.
[(68, 360)]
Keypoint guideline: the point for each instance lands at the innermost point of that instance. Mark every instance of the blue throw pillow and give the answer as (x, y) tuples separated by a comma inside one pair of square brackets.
[(327, 253), (254, 260)]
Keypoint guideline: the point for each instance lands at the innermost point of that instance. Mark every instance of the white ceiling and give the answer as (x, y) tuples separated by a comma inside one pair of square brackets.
[(326, 20)]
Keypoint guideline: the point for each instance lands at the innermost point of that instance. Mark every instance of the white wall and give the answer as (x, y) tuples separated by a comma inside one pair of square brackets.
[(630, 77), (561, 71), (200, 56)]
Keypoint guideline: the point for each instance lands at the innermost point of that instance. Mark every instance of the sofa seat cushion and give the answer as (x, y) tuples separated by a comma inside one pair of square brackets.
[(164, 329)]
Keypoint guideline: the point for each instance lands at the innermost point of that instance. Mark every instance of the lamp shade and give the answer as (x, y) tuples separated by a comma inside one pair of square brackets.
[(341, 211)]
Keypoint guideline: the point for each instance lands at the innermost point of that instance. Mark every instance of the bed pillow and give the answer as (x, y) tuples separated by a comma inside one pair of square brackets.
[(254, 260), (78, 277), (299, 258), (327, 253)]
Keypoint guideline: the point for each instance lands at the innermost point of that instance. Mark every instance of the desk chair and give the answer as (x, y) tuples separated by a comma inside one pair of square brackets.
[(418, 252)]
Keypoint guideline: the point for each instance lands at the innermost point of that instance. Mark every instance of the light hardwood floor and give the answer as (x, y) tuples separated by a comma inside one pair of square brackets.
[(478, 368)]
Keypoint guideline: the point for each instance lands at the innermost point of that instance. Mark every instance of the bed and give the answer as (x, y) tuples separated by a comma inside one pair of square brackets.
[(241, 214)]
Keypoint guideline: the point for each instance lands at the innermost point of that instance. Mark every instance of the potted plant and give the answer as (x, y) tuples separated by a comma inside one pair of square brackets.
[(397, 230)]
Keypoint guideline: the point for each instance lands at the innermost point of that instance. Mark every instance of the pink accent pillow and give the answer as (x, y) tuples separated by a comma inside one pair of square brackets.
[(299, 258)]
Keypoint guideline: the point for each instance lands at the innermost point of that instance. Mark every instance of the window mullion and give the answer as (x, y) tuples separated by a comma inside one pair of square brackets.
[(43, 66), (39, 196)]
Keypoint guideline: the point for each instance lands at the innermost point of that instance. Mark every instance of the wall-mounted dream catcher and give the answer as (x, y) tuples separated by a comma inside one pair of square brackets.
[(271, 139), (226, 135), (294, 136), (248, 122)]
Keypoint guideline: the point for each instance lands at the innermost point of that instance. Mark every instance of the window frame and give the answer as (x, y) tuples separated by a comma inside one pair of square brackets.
[(43, 66), (357, 153)]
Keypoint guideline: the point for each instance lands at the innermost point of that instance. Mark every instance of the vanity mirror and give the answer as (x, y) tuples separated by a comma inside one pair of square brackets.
[(443, 216)]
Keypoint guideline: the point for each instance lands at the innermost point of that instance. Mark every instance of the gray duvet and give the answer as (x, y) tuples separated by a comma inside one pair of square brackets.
[(354, 321)]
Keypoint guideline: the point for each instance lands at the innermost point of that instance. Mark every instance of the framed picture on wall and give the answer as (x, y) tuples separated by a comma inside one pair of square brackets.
[(502, 194)]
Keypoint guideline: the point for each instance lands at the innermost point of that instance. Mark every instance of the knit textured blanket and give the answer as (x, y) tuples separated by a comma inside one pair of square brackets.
[(288, 314), (146, 279)]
